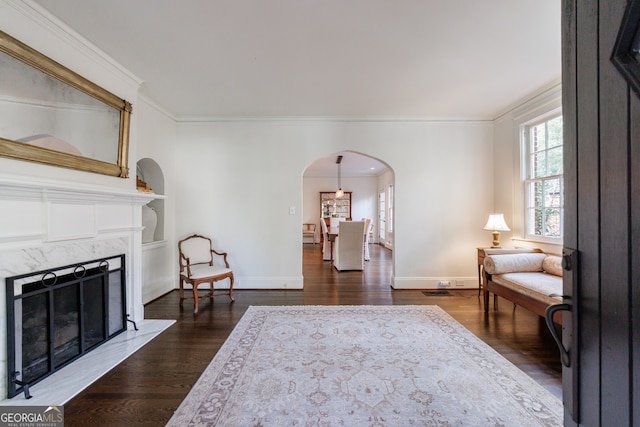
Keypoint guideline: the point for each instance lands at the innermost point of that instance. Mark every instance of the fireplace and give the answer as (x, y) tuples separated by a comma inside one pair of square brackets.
[(57, 315)]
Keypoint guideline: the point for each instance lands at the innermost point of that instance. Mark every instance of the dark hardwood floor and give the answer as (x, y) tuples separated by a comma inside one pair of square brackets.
[(146, 388)]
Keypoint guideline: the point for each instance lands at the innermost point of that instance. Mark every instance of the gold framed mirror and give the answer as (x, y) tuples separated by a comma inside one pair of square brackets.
[(52, 115)]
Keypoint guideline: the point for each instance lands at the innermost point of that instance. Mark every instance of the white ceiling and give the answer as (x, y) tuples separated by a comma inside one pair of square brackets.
[(327, 58)]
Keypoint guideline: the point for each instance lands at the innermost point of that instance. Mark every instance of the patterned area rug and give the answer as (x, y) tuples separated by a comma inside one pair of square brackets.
[(361, 366)]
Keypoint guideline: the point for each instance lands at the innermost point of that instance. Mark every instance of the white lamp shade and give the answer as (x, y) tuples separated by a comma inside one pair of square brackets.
[(496, 223)]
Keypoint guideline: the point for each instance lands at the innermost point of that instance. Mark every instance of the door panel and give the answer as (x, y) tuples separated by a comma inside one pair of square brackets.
[(602, 218), (634, 106)]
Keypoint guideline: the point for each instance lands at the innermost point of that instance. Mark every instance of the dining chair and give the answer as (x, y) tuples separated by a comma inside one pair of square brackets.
[(365, 238), (200, 263), (335, 222), (347, 248), (326, 246)]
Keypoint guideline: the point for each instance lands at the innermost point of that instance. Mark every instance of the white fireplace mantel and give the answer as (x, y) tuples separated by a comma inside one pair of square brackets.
[(25, 188), (49, 223)]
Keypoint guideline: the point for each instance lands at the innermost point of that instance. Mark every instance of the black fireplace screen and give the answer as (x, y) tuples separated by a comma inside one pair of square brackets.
[(55, 316)]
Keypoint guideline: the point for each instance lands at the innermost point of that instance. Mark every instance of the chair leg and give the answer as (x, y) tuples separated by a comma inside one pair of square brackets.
[(231, 288), (181, 291), (195, 299)]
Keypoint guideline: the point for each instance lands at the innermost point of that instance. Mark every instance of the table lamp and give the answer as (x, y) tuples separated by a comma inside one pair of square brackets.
[(496, 224)]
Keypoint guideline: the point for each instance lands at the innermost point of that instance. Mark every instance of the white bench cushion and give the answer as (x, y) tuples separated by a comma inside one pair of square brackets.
[(537, 285), (509, 263), (553, 265)]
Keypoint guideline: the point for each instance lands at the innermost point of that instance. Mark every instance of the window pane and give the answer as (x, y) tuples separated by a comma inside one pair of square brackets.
[(554, 128), (536, 198), (552, 193), (552, 223), (537, 138), (539, 163), (538, 222), (554, 157), (544, 200)]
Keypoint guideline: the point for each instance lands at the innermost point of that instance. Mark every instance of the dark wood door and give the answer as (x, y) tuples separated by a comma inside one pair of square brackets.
[(602, 220)]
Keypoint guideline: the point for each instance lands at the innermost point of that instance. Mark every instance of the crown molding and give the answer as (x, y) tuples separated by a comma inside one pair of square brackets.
[(37, 14)]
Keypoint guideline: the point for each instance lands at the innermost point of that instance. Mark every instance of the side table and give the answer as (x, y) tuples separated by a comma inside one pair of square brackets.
[(481, 256)]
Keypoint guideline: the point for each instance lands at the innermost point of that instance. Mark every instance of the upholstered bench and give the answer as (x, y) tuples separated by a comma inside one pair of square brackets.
[(530, 280)]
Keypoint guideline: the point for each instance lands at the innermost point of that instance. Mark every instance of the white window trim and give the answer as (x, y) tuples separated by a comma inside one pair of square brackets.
[(390, 212), (523, 138)]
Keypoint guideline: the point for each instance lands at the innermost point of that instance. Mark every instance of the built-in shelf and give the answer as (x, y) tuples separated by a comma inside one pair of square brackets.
[(331, 206), (149, 172)]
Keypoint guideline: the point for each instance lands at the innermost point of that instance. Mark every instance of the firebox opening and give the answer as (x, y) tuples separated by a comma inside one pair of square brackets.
[(56, 316)]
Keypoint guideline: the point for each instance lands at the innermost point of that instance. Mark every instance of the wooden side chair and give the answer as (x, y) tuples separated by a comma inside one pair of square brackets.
[(198, 265), (309, 230)]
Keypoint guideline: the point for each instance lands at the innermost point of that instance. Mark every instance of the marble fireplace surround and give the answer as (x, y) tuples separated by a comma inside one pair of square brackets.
[(48, 224)]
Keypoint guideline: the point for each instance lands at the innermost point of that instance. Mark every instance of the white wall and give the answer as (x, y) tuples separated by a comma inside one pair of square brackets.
[(507, 179), (156, 141), (243, 177)]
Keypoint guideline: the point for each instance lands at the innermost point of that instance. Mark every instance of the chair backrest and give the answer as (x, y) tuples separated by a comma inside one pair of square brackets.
[(309, 228), (367, 222), (323, 224), (350, 235), (348, 253), (197, 249)]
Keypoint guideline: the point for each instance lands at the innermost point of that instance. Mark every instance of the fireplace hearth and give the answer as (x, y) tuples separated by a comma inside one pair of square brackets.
[(58, 315)]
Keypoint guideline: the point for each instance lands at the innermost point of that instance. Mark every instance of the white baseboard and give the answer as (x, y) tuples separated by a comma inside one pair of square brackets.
[(285, 282), (435, 283)]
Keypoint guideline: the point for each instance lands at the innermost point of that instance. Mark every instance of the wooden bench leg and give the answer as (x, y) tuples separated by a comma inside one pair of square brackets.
[(486, 300)]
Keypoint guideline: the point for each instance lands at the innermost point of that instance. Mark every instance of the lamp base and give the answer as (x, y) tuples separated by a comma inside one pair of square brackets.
[(496, 239)]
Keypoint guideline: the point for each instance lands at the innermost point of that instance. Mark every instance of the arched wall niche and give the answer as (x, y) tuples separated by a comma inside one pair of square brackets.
[(151, 173)]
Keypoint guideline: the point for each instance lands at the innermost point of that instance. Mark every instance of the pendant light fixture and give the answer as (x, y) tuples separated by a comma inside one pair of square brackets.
[(339, 193)]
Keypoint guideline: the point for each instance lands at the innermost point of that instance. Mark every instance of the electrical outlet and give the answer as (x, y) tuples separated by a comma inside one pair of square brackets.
[(444, 284), (292, 210)]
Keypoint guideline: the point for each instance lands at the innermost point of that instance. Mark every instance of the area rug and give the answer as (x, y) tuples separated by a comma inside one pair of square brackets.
[(361, 366)]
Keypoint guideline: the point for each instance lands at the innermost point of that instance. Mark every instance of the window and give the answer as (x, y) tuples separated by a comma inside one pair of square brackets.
[(390, 216), (543, 184)]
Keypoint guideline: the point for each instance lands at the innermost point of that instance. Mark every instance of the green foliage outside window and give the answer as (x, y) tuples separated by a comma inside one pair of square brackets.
[(544, 184)]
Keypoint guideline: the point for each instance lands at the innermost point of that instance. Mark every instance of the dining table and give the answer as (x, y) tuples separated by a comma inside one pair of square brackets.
[(332, 233)]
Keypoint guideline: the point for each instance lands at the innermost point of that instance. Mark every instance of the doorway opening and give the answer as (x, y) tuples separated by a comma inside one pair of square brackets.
[(362, 175)]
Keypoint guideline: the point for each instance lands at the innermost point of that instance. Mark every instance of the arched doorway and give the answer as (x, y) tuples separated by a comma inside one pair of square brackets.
[(362, 175)]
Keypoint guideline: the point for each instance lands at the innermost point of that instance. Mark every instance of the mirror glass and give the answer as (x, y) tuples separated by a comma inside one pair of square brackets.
[(42, 111), (49, 114)]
